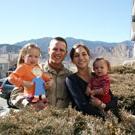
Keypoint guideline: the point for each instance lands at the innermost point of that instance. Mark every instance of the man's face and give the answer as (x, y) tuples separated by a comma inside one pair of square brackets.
[(57, 51)]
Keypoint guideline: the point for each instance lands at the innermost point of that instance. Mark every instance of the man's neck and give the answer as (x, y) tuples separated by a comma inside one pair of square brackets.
[(55, 66)]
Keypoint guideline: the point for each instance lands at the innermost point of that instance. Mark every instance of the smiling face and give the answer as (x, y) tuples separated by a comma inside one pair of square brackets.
[(57, 51), (32, 56), (81, 58), (100, 68)]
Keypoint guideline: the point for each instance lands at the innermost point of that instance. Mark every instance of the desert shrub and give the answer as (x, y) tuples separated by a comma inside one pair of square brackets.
[(61, 122), (53, 121), (123, 86), (79, 125), (128, 103), (123, 69)]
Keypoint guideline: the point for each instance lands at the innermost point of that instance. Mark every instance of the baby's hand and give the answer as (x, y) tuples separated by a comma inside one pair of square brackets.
[(92, 92), (95, 101)]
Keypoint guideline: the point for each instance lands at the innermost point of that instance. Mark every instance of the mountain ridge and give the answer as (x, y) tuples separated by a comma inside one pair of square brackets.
[(120, 50)]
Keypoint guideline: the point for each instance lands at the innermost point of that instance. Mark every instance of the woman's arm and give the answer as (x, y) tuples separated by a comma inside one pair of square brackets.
[(80, 98)]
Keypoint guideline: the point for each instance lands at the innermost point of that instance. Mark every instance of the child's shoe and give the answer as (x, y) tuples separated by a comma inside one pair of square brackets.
[(25, 102), (35, 100), (39, 106)]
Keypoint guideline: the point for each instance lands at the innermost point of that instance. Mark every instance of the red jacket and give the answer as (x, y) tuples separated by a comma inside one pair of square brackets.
[(97, 82)]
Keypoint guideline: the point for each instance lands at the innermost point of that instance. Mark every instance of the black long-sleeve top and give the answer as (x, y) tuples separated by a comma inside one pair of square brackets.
[(76, 87)]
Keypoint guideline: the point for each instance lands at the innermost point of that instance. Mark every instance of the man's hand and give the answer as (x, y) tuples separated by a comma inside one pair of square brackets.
[(48, 84)]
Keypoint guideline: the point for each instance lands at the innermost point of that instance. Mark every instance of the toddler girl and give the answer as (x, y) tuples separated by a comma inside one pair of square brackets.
[(28, 69)]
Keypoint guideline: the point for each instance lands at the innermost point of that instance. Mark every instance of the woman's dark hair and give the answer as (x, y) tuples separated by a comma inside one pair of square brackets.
[(77, 46)]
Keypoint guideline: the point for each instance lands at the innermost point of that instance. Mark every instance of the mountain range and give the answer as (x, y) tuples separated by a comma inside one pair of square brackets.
[(115, 52)]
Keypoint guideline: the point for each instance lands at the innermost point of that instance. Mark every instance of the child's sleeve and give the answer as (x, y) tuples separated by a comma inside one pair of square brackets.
[(89, 84), (16, 77), (106, 87)]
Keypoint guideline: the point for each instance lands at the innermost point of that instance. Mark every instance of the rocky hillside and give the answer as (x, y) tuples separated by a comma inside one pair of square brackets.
[(113, 51)]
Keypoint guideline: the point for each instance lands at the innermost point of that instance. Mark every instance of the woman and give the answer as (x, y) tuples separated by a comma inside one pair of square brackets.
[(76, 83)]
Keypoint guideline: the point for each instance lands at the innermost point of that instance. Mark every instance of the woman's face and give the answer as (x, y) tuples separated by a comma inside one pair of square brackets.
[(81, 58)]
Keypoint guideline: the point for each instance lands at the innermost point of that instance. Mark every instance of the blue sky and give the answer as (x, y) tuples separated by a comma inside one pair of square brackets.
[(95, 20)]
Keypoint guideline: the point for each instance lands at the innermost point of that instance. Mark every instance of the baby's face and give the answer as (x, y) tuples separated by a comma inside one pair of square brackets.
[(37, 71), (101, 68)]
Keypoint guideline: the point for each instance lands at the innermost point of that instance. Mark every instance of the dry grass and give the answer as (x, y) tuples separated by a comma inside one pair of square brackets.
[(52, 121), (60, 122), (123, 85)]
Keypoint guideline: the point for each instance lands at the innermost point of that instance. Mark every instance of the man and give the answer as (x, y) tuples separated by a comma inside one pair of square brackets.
[(57, 94)]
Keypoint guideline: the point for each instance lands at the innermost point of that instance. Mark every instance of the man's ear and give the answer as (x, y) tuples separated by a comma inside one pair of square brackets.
[(48, 49), (67, 53)]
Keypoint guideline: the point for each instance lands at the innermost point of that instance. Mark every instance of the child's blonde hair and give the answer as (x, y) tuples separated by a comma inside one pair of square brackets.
[(25, 50)]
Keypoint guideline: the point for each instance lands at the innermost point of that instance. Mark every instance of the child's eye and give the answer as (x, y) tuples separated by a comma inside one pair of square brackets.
[(30, 56), (84, 54)]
